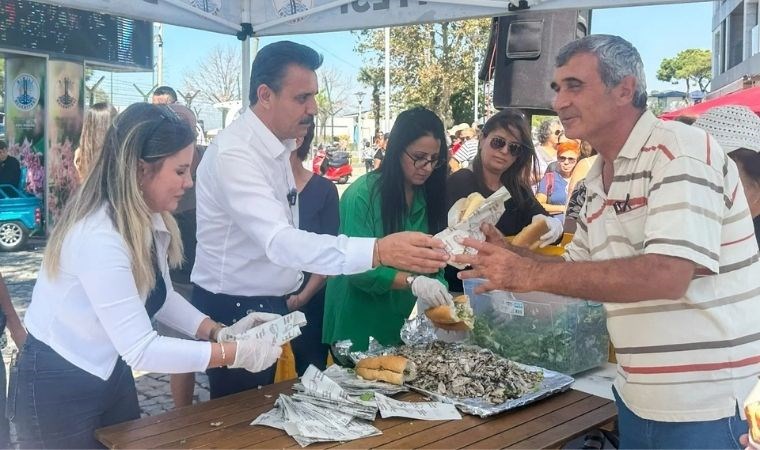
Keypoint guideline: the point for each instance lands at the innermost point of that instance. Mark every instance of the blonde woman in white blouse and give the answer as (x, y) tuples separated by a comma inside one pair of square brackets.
[(105, 274)]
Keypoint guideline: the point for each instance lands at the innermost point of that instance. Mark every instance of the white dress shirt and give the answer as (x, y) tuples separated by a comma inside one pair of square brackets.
[(91, 313), (248, 240)]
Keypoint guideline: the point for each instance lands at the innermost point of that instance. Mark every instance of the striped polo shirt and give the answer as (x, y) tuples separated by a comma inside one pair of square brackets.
[(675, 192)]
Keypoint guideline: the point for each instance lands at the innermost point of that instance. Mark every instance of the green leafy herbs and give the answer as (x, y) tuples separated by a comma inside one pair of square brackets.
[(565, 338)]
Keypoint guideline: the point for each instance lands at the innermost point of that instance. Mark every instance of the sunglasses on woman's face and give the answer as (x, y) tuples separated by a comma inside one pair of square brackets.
[(497, 143), (558, 132), (568, 159)]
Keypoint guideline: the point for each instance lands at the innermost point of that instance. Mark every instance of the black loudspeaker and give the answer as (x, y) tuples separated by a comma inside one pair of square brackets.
[(521, 55)]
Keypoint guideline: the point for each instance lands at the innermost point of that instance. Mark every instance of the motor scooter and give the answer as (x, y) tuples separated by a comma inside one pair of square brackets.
[(333, 165)]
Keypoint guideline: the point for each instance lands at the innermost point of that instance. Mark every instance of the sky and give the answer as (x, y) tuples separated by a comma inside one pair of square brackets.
[(658, 32)]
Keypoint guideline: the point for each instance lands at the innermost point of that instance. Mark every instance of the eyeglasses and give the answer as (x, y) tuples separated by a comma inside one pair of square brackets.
[(497, 143), (421, 162), (567, 159), (558, 132)]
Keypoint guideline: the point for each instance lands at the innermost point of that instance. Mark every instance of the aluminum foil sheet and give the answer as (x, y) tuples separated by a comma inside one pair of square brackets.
[(419, 331)]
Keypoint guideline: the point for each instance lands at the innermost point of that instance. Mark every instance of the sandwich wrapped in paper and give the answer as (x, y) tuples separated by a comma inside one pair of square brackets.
[(465, 218), (459, 317), (752, 411)]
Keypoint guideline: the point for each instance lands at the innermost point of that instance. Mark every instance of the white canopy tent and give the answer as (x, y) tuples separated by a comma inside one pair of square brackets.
[(248, 18)]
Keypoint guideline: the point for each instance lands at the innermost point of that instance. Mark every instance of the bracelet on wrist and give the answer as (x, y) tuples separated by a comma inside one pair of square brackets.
[(224, 354)]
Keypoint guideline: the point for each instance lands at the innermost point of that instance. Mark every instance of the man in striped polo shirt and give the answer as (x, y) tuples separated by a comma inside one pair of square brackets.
[(666, 240)]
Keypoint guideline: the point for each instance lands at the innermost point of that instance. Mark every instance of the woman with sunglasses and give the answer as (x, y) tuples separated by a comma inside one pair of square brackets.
[(404, 194), (553, 189), (104, 275), (505, 157)]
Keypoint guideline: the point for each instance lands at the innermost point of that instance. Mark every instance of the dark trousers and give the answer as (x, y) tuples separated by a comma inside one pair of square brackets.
[(308, 347), (227, 309), (55, 404)]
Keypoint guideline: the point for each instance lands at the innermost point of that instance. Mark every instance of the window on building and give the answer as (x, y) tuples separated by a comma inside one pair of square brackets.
[(735, 48)]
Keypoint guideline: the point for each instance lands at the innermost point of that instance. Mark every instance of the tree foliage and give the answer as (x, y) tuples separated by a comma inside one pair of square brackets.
[(429, 62), (216, 76), (331, 99), (374, 78), (691, 65)]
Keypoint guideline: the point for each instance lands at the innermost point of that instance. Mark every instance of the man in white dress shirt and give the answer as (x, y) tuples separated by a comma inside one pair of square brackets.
[(250, 252)]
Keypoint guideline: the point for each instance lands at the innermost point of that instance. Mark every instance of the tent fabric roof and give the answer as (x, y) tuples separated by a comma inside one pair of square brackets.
[(747, 97), (279, 17)]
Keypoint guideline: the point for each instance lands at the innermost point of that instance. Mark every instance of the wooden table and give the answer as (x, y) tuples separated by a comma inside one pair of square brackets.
[(224, 423)]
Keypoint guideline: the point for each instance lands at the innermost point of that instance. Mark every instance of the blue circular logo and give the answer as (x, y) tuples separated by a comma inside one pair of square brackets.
[(26, 92)]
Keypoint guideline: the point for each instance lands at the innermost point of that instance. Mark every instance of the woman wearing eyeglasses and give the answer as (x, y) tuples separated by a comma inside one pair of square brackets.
[(105, 274), (505, 158), (404, 194), (553, 189)]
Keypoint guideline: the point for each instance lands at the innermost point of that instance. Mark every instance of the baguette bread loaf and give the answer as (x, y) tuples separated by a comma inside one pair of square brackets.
[(529, 236), (474, 201), (391, 369), (752, 411)]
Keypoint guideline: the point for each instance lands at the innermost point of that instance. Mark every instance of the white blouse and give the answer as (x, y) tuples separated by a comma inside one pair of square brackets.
[(91, 312)]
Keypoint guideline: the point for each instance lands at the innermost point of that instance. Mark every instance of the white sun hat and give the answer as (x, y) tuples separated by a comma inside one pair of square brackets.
[(734, 127)]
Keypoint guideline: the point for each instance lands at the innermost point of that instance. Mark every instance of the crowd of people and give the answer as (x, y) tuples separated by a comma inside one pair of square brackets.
[(165, 256)]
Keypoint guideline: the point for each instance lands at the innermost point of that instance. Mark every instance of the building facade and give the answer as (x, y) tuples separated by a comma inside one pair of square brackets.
[(736, 45)]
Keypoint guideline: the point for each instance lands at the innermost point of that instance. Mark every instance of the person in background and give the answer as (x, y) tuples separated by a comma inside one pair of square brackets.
[(403, 195), (467, 151), (737, 130), (368, 157), (97, 120), (164, 95), (380, 145), (549, 135), (664, 240), (8, 319), (318, 213), (105, 274), (552, 191), (250, 253), (505, 158), (182, 385), (10, 169), (577, 187)]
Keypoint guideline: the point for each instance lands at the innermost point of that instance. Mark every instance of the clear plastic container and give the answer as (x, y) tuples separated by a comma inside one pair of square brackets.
[(564, 334)]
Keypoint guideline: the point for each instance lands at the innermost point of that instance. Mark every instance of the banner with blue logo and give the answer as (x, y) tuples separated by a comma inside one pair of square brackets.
[(25, 117), (64, 117)]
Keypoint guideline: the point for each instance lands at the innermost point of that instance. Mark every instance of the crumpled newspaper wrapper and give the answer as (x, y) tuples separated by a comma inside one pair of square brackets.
[(489, 212)]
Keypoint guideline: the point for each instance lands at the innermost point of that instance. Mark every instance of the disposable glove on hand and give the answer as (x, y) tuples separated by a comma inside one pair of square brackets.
[(556, 229), (228, 334), (430, 293), (255, 355)]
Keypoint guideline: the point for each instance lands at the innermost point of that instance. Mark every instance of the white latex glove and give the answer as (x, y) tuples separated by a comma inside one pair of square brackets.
[(430, 293), (556, 229), (255, 355), (228, 334)]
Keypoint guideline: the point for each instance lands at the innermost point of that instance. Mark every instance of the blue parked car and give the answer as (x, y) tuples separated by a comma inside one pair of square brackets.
[(20, 215)]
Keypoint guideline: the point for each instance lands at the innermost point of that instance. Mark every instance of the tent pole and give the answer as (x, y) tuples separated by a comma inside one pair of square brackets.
[(245, 47), (387, 122)]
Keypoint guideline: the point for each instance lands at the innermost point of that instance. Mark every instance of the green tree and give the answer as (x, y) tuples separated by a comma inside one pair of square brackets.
[(692, 65), (374, 78), (429, 62)]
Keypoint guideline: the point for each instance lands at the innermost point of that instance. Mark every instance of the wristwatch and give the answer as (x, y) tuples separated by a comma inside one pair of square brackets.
[(410, 279)]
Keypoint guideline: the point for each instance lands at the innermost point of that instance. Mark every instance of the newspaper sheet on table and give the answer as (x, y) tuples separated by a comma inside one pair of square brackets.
[(489, 212), (416, 410), (321, 412), (417, 331), (279, 331)]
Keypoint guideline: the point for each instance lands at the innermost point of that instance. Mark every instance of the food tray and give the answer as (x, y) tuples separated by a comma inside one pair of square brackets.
[(553, 383)]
